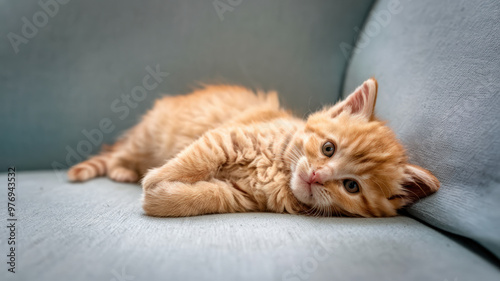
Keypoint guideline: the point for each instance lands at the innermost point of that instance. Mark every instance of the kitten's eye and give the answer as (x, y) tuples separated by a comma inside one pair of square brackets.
[(328, 149), (351, 186)]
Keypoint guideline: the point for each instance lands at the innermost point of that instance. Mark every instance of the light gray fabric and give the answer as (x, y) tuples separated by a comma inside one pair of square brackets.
[(91, 52), (94, 230), (438, 65)]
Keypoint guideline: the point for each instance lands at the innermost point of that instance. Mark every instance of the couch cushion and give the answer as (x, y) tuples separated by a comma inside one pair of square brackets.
[(97, 231), (438, 68), (73, 71)]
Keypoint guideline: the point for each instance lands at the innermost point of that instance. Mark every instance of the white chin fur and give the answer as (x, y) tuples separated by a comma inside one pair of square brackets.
[(298, 186)]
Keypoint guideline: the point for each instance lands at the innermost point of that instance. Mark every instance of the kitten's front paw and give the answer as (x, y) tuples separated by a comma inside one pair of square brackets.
[(162, 199), (151, 179), (121, 174)]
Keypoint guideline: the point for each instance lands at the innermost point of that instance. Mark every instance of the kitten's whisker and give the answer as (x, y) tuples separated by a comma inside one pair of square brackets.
[(381, 189), (295, 151), (313, 211), (318, 214), (293, 156), (408, 190), (423, 192)]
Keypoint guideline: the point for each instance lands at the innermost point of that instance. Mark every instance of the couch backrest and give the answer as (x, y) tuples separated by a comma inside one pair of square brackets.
[(65, 65), (438, 67)]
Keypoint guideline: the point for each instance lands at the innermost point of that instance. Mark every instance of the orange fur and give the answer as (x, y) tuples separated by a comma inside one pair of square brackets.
[(225, 149)]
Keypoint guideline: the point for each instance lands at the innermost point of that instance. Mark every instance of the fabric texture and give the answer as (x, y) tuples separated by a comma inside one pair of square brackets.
[(97, 231), (438, 65), (78, 67)]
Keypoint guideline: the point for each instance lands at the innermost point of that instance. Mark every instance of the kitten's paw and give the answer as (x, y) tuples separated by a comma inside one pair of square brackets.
[(82, 172), (151, 179), (163, 199), (121, 174)]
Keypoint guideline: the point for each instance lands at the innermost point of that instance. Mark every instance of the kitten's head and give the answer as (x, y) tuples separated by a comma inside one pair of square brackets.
[(348, 162)]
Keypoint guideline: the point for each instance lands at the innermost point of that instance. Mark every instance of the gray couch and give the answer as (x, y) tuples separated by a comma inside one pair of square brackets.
[(62, 74)]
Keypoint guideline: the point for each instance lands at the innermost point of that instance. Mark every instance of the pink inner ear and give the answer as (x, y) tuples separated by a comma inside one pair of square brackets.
[(360, 102), (359, 99)]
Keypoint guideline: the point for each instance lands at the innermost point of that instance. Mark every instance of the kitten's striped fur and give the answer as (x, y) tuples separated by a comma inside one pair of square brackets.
[(226, 149)]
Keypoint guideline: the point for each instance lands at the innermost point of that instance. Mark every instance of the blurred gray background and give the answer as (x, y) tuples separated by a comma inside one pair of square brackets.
[(80, 60)]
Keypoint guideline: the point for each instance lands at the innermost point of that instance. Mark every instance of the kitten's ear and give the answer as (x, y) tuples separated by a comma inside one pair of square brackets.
[(419, 183), (360, 102)]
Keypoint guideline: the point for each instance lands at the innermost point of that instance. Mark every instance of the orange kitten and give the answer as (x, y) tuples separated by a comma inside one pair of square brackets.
[(224, 149)]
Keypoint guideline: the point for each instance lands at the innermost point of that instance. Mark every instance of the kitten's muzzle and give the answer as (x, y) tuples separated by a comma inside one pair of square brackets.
[(315, 178)]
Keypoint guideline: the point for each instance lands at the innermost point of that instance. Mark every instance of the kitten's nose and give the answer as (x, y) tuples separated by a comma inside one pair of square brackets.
[(315, 178)]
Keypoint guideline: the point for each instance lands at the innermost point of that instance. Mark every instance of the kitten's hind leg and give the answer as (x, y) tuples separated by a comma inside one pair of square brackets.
[(107, 164), (120, 171), (89, 169)]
